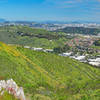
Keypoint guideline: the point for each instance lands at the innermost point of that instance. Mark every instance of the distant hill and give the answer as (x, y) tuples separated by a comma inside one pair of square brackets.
[(47, 76), (53, 22), (80, 30)]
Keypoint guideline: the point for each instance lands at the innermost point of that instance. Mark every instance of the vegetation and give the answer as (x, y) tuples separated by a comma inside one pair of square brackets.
[(80, 30), (61, 49), (47, 76), (6, 96), (25, 35), (97, 43)]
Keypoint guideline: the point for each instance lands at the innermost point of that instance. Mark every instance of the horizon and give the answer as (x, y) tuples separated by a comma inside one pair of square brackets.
[(51, 21), (43, 10)]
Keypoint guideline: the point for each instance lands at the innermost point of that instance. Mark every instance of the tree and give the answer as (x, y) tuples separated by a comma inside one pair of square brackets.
[(97, 43), (61, 49)]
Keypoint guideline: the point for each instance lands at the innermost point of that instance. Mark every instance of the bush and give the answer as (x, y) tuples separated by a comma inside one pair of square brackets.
[(41, 97), (97, 43), (61, 49)]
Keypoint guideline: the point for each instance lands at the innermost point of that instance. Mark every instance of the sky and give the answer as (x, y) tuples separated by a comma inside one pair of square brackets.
[(55, 10)]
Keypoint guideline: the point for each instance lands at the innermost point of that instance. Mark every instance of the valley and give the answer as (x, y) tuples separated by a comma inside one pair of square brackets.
[(39, 61)]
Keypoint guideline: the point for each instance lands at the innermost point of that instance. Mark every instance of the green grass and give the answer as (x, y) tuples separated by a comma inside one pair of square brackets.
[(7, 96), (47, 76), (31, 37), (95, 47)]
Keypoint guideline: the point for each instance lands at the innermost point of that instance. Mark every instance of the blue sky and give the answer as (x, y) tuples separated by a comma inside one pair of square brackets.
[(59, 10)]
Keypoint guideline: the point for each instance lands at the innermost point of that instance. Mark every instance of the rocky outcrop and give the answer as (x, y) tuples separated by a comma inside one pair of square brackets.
[(11, 87)]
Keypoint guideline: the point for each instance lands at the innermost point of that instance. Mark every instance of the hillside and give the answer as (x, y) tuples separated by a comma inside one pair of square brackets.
[(46, 76), (25, 35), (80, 30), (6, 96)]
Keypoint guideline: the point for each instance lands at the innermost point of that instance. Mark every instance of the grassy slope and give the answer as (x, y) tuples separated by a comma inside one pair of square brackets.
[(11, 35), (45, 75), (6, 96)]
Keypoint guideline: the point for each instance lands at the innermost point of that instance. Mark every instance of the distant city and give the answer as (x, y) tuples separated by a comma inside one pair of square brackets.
[(51, 25)]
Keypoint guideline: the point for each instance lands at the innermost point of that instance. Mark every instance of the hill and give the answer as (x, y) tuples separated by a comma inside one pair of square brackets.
[(25, 35), (46, 76), (80, 30)]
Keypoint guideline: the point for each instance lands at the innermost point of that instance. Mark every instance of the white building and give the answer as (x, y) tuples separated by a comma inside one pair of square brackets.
[(37, 49), (95, 64), (27, 47), (80, 58), (48, 50), (66, 54)]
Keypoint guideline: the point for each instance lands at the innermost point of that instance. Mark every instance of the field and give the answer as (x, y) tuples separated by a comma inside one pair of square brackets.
[(46, 76)]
